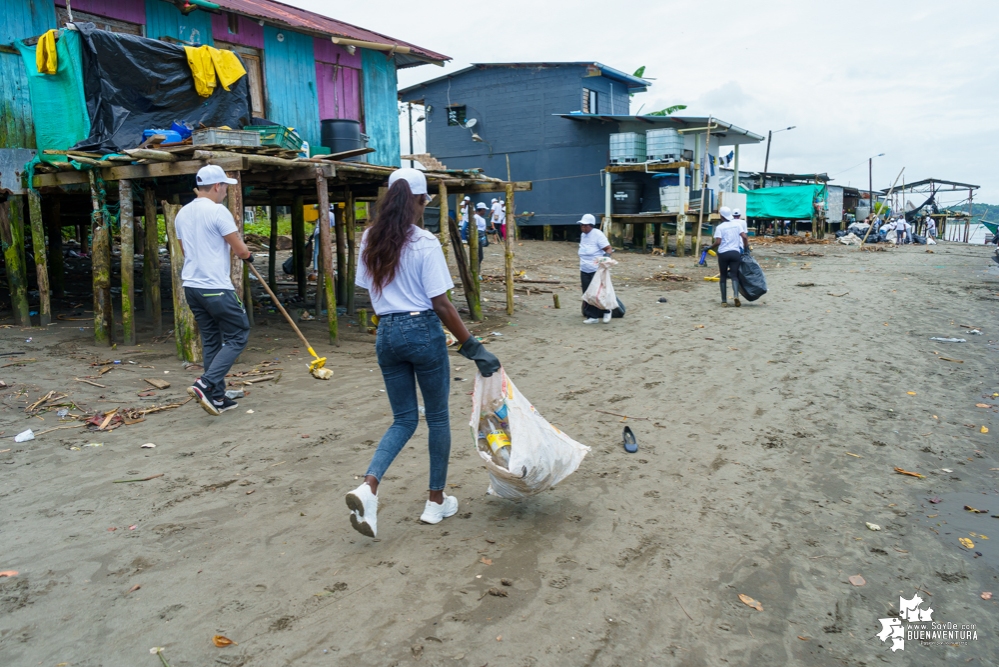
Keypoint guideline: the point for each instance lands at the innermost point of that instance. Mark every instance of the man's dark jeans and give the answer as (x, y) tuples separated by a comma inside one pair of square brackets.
[(225, 330)]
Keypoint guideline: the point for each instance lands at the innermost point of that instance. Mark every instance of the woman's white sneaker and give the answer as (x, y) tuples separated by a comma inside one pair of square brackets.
[(363, 506), (590, 320), (434, 513)]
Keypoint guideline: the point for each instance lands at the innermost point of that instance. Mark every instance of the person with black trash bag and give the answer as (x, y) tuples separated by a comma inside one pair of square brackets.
[(593, 245), (729, 243), (403, 268)]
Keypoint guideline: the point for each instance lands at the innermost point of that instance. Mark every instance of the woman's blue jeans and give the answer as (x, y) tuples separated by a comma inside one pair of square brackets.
[(411, 348)]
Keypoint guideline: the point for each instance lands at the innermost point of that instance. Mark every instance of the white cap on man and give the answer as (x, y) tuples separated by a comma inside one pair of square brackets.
[(481, 206), (467, 198), (212, 174), (416, 179), (725, 212), (736, 213), (587, 220)]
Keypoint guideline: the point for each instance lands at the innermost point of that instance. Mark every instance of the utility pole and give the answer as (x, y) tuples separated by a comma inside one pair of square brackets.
[(870, 184), (766, 163), (410, 105)]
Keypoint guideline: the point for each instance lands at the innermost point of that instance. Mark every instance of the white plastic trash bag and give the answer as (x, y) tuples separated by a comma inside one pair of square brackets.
[(600, 293), (541, 456)]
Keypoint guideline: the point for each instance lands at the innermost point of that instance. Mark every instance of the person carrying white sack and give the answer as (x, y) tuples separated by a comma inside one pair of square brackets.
[(593, 245)]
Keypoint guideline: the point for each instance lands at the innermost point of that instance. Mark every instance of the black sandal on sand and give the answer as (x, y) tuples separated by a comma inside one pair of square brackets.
[(630, 444)]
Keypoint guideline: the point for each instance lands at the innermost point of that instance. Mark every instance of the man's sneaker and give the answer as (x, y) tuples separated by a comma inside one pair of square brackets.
[(363, 506), (199, 392), (590, 320), (607, 317), (225, 404), (434, 513)]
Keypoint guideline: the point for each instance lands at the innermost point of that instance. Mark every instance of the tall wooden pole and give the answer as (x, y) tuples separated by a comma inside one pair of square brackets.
[(341, 252), (350, 228), (681, 217), (151, 261), (100, 255), (298, 243), (445, 228), (12, 240), (475, 302), (127, 225), (967, 225), (272, 250), (52, 215), (41, 265), (326, 256), (508, 255), (704, 185), (235, 202), (186, 333)]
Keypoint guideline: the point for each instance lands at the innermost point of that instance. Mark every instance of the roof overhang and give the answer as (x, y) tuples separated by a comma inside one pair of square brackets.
[(634, 83), (933, 185), (731, 134)]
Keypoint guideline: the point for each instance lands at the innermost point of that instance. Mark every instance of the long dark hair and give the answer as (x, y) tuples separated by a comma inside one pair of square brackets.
[(396, 213)]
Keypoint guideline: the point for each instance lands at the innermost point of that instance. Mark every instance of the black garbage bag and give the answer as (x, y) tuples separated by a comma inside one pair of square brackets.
[(841, 233), (921, 240), (619, 311), (752, 283)]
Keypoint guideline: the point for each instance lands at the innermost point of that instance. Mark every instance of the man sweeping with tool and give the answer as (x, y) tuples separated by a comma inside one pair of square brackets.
[(207, 231)]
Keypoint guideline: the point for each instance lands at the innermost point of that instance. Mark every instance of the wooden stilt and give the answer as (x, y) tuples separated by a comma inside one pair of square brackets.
[(83, 237), (326, 256), (657, 235), (444, 231), (235, 203), (461, 259), (696, 246), (298, 243), (681, 233), (272, 250), (341, 253), (350, 229), (151, 262), (11, 233), (52, 216), (185, 329), (508, 254), (100, 257), (127, 224), (41, 263), (247, 294), (546, 232), (475, 300)]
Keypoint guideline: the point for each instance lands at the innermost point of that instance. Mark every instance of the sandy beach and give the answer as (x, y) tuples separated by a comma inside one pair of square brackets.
[(768, 438)]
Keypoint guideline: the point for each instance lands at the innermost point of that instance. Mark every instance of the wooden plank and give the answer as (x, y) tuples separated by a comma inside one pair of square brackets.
[(300, 173), (186, 333), (326, 257), (460, 186), (126, 223), (652, 167), (41, 263), (134, 171), (100, 253)]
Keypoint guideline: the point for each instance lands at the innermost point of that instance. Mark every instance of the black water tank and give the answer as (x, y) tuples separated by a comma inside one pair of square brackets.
[(341, 134), (627, 196)]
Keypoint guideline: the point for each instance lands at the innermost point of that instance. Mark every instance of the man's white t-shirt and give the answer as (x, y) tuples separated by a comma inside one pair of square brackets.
[(497, 210), (591, 248), (201, 225), (730, 233), (421, 275), (931, 225), (742, 225), (480, 222)]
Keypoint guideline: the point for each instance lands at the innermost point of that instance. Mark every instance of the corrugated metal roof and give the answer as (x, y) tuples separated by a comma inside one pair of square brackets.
[(720, 127), (634, 83), (278, 13)]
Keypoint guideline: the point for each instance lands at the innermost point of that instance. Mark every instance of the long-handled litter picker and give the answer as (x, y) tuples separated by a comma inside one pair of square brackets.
[(317, 363)]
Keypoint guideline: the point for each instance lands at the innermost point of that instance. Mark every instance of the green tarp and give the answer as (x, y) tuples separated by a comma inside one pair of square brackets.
[(794, 202), (58, 104)]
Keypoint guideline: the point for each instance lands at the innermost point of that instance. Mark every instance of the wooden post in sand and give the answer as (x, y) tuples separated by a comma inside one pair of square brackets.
[(100, 254), (151, 261), (126, 221), (445, 228), (326, 256), (704, 184), (298, 243), (185, 329), (41, 265), (235, 202), (12, 240), (508, 245), (474, 301), (272, 250), (341, 253), (350, 228), (681, 218)]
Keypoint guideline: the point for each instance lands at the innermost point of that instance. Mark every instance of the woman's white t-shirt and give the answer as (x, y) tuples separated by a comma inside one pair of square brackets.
[(591, 248), (730, 233), (421, 275)]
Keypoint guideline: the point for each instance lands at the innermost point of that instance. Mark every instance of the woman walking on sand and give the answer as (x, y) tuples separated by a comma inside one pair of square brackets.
[(730, 241), (403, 268)]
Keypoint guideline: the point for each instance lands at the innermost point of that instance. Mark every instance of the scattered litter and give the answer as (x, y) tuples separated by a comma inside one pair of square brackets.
[(805, 285), (495, 333), (221, 641), (949, 340), (249, 412), (911, 393), (141, 479), (947, 469), (837, 295), (750, 602), (486, 561), (873, 526), (986, 595), (956, 361), (857, 580), (975, 332), (94, 444), (24, 436), (133, 589), (8, 573), (975, 511), (159, 384), (62, 412), (982, 405), (496, 592), (985, 429), (935, 500), (966, 543), (148, 445), (234, 393), (856, 456), (910, 474)]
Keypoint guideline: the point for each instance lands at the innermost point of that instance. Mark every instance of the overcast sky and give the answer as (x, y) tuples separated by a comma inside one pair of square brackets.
[(913, 79)]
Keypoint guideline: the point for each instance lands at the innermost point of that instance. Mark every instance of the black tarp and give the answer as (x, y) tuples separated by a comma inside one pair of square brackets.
[(134, 84)]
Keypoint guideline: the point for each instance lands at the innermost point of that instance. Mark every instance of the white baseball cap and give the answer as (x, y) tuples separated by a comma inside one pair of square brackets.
[(725, 212), (495, 200), (212, 174), (587, 219), (416, 179), (736, 212), (467, 198), (480, 205)]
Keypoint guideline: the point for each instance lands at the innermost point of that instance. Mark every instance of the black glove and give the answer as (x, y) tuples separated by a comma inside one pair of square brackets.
[(485, 360), (249, 260)]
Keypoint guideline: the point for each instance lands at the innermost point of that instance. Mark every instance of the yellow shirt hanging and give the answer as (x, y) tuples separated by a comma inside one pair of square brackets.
[(206, 62), (45, 53)]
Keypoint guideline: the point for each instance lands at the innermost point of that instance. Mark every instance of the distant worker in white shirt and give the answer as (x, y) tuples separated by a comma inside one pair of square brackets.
[(496, 219), (931, 227), (207, 231), (593, 245), (730, 242)]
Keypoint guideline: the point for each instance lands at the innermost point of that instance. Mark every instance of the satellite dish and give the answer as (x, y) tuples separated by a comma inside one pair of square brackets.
[(471, 122)]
